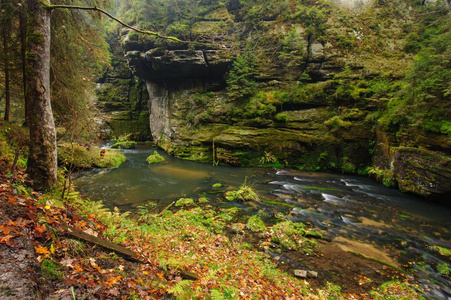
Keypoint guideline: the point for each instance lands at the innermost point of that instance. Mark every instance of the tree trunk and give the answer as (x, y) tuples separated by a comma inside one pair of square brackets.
[(42, 163), (23, 48), (6, 35)]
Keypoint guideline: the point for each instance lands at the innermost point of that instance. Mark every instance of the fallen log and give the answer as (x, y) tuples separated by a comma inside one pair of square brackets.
[(122, 251)]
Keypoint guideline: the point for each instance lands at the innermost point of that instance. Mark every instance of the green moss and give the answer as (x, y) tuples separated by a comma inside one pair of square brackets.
[(51, 270), (184, 202), (124, 145), (244, 193), (277, 203), (155, 158), (281, 117), (441, 250), (203, 200), (337, 123), (79, 157), (394, 290), (256, 224), (444, 269), (385, 176), (291, 235), (318, 188), (216, 185)]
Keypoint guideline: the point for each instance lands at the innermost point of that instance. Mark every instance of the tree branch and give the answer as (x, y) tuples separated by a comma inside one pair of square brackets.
[(52, 7)]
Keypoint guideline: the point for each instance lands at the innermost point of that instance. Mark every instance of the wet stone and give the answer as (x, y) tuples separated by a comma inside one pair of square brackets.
[(312, 274), (300, 273)]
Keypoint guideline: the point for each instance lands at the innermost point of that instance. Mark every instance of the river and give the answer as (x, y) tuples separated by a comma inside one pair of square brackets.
[(354, 211)]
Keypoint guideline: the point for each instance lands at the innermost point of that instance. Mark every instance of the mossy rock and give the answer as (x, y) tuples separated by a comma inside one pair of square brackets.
[(155, 158), (184, 202), (82, 158), (422, 172), (124, 145), (256, 224), (107, 158), (244, 193)]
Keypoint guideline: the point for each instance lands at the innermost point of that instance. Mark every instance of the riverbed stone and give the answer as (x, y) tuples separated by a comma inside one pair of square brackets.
[(300, 273)]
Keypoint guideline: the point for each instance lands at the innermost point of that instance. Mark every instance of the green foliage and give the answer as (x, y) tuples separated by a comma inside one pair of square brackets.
[(78, 53), (155, 158), (441, 126), (241, 79), (256, 224), (182, 290), (423, 101), (347, 166), (267, 159), (293, 49), (314, 19), (385, 176)]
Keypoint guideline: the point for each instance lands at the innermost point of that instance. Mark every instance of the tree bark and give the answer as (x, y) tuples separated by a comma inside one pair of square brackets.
[(23, 49), (42, 161), (6, 35)]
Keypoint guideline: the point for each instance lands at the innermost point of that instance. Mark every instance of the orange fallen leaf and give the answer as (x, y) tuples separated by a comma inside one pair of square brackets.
[(78, 267), (6, 238), (5, 230), (41, 250), (40, 228)]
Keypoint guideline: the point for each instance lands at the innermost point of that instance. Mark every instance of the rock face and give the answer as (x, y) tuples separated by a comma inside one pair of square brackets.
[(316, 110), (122, 99), (422, 172), (157, 64)]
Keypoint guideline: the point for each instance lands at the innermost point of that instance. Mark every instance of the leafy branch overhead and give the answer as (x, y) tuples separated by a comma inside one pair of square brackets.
[(94, 8)]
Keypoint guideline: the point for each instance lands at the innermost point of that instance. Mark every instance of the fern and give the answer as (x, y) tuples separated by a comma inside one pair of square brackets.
[(216, 295), (181, 288)]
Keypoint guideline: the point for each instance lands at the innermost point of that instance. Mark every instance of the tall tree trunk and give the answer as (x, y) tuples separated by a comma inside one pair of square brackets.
[(6, 35), (42, 162), (23, 48)]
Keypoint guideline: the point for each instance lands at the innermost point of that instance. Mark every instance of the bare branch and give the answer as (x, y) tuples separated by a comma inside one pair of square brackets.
[(171, 38)]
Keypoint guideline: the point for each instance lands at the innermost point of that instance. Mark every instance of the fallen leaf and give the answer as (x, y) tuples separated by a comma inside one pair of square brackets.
[(40, 228), (78, 268), (5, 229), (67, 262), (5, 239), (41, 250)]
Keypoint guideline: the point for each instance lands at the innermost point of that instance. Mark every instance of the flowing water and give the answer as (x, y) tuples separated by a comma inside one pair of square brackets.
[(356, 212)]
